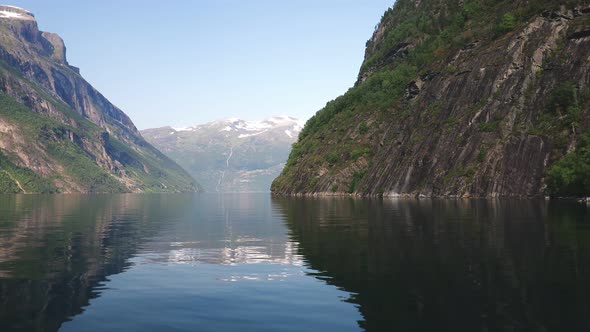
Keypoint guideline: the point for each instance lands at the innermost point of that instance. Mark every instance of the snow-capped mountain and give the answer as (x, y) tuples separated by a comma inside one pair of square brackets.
[(230, 155), (243, 129)]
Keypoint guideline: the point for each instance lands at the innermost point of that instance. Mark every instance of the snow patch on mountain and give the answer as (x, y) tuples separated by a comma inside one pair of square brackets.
[(286, 125), (258, 150), (183, 128), (289, 125), (17, 13), (250, 135)]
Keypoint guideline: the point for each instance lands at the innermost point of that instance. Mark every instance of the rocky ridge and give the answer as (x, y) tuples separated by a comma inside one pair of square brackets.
[(58, 133), (454, 99)]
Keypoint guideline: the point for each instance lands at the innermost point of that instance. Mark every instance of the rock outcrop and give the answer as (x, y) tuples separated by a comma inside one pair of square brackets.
[(58, 133), (455, 99)]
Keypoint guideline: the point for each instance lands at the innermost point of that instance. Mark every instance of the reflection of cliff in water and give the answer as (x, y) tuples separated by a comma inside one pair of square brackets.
[(453, 265), (56, 250)]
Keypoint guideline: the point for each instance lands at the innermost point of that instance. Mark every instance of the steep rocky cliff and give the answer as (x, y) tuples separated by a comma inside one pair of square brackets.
[(458, 98), (57, 133), (230, 155)]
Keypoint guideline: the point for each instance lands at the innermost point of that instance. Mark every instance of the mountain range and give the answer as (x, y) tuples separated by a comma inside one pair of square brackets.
[(455, 98), (58, 133), (230, 155)]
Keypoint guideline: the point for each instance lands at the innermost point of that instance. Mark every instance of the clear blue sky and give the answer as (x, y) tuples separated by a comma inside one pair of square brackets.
[(186, 62)]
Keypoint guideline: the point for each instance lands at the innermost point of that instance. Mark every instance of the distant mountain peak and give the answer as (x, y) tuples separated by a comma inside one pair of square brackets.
[(16, 13), (289, 125), (230, 155)]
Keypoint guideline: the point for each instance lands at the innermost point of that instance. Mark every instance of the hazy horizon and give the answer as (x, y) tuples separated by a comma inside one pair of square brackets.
[(196, 62)]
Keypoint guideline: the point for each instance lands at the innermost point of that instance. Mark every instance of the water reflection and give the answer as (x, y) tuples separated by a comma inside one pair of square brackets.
[(58, 253), (249, 263), (54, 251), (227, 230), (458, 265)]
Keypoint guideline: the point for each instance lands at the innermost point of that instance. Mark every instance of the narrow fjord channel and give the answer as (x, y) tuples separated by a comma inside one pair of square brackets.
[(250, 262)]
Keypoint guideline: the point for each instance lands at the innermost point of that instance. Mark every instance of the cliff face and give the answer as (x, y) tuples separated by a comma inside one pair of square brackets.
[(455, 98), (58, 133)]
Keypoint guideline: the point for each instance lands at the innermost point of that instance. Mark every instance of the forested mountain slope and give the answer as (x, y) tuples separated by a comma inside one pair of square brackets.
[(458, 98)]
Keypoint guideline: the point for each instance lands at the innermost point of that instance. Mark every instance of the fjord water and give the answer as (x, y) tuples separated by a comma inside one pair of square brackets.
[(250, 262)]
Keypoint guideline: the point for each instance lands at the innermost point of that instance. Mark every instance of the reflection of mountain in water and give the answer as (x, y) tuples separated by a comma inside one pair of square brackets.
[(245, 231), (410, 265), (56, 250), (451, 265), (240, 254)]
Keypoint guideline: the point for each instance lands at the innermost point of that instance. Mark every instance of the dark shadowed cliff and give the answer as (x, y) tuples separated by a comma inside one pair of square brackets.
[(57, 133), (458, 98)]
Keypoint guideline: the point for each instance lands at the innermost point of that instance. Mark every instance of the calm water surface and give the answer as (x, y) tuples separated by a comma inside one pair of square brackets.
[(255, 263)]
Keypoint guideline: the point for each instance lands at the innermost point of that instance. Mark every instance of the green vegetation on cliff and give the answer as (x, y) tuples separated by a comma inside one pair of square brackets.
[(15, 179), (566, 113), (442, 81), (58, 134), (68, 145), (571, 175), (54, 138)]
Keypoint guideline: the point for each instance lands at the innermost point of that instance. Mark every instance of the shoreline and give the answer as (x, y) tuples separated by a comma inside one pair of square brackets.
[(422, 196)]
